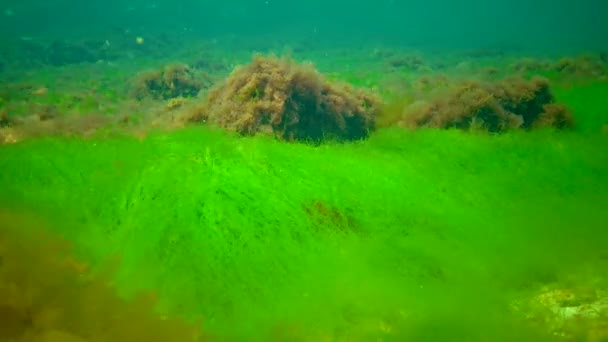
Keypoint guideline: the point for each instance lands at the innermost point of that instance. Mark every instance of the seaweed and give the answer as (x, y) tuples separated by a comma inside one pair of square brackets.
[(327, 216), (46, 112), (408, 62), (174, 80), (499, 106), (293, 101), (4, 119), (586, 65), (46, 294)]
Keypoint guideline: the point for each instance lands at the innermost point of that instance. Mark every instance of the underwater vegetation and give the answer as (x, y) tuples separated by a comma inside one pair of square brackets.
[(586, 65), (174, 80), (419, 234), (409, 62), (4, 119), (290, 100), (295, 101), (266, 239), (47, 295), (496, 107)]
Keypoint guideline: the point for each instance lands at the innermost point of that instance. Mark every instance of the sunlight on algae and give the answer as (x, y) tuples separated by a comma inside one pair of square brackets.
[(452, 227), (423, 235)]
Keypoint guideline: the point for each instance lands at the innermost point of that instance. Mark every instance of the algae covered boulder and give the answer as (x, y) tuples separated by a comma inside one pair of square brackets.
[(291, 100), (171, 81), (497, 106)]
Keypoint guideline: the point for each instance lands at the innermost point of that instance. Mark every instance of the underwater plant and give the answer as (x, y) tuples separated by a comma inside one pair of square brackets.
[(408, 62), (46, 294), (174, 80), (586, 65), (291, 100), (324, 215), (4, 119), (496, 107)]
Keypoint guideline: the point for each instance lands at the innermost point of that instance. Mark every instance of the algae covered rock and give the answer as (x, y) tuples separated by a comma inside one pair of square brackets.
[(497, 106), (291, 100), (172, 81), (573, 314)]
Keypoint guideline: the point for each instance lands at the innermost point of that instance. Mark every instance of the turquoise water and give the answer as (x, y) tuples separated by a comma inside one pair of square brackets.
[(562, 26), (448, 220)]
